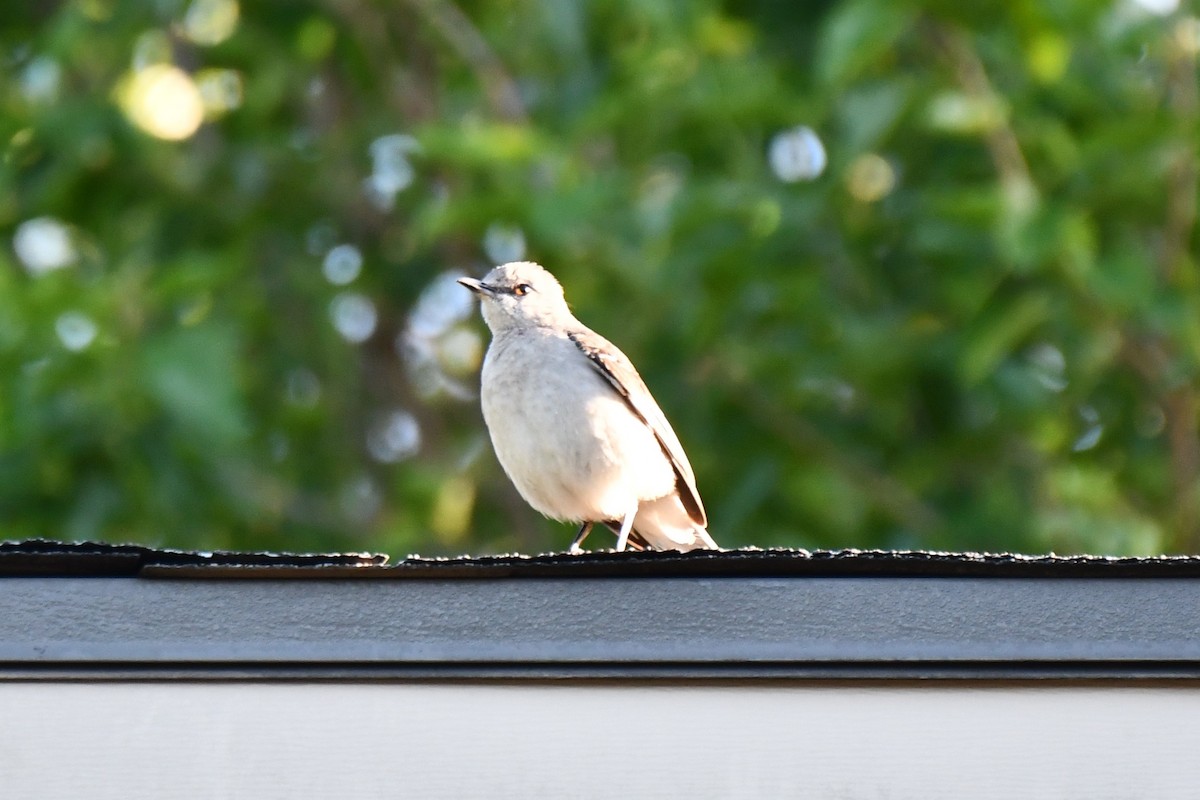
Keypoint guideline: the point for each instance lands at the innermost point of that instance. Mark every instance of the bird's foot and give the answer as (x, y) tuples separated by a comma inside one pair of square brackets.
[(584, 530)]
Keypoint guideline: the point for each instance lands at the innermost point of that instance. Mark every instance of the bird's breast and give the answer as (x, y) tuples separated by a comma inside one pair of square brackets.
[(565, 437)]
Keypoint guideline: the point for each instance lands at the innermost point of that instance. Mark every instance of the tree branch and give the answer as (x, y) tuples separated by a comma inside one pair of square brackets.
[(1001, 140)]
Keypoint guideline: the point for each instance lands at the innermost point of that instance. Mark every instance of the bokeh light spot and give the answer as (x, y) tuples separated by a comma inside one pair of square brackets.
[(354, 316), (870, 178), (460, 351), (1187, 35), (164, 102), (75, 330), (1160, 8), (1048, 57), (442, 304), (220, 91), (40, 80), (452, 507), (1049, 366), (394, 437), (1093, 430), (797, 155), (342, 264), (961, 113), (210, 22), (391, 170), (43, 244)]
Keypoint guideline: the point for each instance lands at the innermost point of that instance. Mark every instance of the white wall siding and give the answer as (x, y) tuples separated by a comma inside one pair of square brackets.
[(527, 740)]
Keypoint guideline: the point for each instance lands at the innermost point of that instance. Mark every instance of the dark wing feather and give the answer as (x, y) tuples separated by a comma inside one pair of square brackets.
[(618, 370)]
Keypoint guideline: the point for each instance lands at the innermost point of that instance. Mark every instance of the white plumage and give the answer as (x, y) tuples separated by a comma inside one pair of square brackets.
[(572, 423)]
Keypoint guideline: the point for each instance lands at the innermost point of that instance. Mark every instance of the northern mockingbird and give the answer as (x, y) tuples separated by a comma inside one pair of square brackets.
[(574, 425)]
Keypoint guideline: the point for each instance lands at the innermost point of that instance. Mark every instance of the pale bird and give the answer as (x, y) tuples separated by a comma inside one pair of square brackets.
[(573, 424)]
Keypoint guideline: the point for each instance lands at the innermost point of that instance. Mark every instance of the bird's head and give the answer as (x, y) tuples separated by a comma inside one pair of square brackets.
[(520, 294)]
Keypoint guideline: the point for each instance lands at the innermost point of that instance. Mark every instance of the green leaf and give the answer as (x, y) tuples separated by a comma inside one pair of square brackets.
[(858, 35)]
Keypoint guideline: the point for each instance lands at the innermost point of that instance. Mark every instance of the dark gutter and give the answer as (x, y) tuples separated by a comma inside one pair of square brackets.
[(122, 613)]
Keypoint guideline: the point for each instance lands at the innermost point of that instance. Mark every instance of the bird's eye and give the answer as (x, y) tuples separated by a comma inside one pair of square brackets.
[(522, 289)]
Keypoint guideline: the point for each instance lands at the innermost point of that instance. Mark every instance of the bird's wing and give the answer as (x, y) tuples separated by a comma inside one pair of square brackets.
[(619, 371)]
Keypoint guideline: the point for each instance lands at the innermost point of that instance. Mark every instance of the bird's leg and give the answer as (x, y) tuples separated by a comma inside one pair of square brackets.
[(584, 530), (626, 527)]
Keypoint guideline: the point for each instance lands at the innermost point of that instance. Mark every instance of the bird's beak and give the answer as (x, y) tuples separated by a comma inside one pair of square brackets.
[(478, 287)]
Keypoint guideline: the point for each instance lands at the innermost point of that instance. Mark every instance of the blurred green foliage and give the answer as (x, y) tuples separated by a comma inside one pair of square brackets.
[(902, 274)]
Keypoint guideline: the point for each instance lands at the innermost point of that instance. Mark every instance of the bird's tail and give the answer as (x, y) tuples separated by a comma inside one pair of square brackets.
[(664, 524)]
